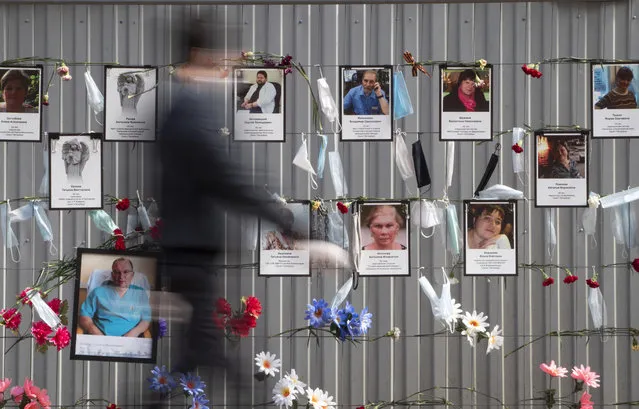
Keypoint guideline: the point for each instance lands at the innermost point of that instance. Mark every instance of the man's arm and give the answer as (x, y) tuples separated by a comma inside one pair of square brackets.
[(267, 95), (248, 95), (348, 100), (383, 105), (138, 329), (86, 323)]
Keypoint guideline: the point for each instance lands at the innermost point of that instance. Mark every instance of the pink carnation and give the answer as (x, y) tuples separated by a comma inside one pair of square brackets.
[(586, 376), (61, 338)]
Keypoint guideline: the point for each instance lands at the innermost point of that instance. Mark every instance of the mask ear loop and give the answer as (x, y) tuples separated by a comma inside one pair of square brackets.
[(421, 230), (7, 232)]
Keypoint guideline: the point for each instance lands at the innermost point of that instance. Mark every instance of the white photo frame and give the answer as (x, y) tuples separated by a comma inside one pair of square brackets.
[(75, 175), (21, 103), (615, 97)]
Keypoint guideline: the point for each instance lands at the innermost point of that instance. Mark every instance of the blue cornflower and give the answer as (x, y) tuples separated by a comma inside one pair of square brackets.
[(164, 329), (161, 381), (192, 384), (200, 402), (366, 320), (354, 326), (316, 312)]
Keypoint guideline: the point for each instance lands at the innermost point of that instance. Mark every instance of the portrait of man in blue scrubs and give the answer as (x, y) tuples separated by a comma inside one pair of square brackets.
[(117, 307)]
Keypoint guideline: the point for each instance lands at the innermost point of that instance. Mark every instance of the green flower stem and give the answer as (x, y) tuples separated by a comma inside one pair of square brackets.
[(613, 331)]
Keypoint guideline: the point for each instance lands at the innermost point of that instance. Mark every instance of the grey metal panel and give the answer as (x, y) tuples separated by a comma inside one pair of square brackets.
[(507, 34)]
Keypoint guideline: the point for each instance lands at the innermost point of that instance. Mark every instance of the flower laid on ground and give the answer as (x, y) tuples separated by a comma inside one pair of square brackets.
[(570, 278), (123, 204), (475, 324), (237, 324), (267, 363), (495, 339), (532, 70), (585, 375), (554, 370), (188, 384)]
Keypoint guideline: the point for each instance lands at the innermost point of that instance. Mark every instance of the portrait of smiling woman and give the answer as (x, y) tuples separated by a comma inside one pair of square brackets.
[(489, 227), (386, 226), (14, 85)]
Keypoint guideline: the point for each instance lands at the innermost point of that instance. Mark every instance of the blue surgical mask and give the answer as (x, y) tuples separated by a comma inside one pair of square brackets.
[(402, 105)]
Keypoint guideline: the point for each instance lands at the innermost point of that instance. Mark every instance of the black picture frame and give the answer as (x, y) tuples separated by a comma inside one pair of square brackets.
[(261, 257), (108, 101), (387, 87), (490, 253), (96, 138), (443, 68), (360, 204), (101, 257), (582, 150), (624, 124), (30, 93), (239, 72)]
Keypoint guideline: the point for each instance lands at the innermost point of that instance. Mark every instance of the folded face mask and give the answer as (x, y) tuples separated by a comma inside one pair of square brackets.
[(94, 96), (337, 174), (454, 232), (402, 105), (301, 161), (337, 233), (424, 214), (421, 168), (327, 104), (500, 192), (444, 307), (403, 158)]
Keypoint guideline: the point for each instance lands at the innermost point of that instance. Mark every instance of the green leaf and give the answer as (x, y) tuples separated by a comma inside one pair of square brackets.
[(64, 308), (64, 320)]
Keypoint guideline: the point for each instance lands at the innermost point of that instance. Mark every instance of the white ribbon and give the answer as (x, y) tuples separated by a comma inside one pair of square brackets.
[(450, 163), (341, 295)]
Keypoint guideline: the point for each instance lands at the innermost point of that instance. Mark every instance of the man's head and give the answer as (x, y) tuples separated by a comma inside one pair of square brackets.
[(368, 80), (122, 272), (624, 77), (262, 77)]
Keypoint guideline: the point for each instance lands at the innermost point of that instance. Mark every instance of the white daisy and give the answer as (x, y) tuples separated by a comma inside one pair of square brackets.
[(495, 340), (283, 393), (475, 323), (327, 401), (267, 363), (450, 314), (315, 397), (295, 382)]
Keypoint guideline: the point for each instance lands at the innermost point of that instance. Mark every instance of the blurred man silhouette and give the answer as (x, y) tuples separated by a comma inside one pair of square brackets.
[(199, 183)]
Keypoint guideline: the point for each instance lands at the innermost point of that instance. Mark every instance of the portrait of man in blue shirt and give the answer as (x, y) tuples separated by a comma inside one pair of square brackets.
[(368, 98), (117, 307)]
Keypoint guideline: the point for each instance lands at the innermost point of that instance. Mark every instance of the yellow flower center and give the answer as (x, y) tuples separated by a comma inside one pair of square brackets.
[(473, 323), (286, 392), (266, 364)]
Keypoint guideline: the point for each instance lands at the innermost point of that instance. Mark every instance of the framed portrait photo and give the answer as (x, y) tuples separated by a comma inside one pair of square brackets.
[(75, 177), (258, 104), (615, 97), (130, 103), (466, 103), (561, 174), (490, 239), (384, 238), (286, 253), (366, 109), (112, 317), (20, 103)]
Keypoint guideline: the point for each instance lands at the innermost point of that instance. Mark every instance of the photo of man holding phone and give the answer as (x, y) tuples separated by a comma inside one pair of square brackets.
[(368, 98)]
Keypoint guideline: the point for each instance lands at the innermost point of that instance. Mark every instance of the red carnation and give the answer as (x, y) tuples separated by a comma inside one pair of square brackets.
[(219, 320), (592, 283), (120, 244), (517, 148), (571, 278), (55, 305), (155, 232), (11, 318), (525, 69), (342, 207), (40, 331), (635, 264), (62, 338), (117, 232), (548, 281), (250, 320), (239, 326), (223, 307), (253, 307), (123, 204), (112, 406)]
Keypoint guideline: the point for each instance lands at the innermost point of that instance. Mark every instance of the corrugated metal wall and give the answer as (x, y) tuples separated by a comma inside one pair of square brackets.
[(507, 35)]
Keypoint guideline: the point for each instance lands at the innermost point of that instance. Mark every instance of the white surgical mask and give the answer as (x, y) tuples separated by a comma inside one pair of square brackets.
[(94, 96), (403, 157), (301, 161), (425, 215), (327, 104), (337, 174)]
